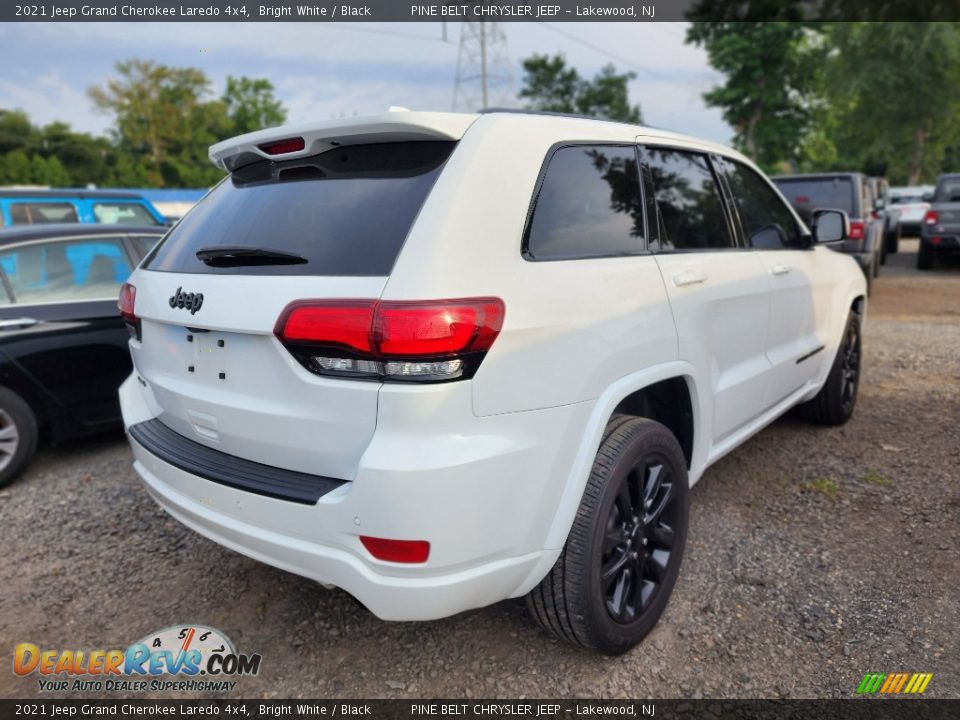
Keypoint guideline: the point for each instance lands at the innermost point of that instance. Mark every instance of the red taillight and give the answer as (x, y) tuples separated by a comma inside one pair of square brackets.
[(931, 218), (345, 323), (279, 147), (127, 305), (437, 328), (856, 229), (127, 301), (409, 341), (398, 551)]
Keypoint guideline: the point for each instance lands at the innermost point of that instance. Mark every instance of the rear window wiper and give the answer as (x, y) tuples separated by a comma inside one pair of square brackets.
[(224, 256)]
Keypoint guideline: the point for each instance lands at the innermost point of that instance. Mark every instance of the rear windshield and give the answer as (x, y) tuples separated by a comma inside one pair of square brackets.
[(807, 195), (948, 190), (113, 213), (344, 212)]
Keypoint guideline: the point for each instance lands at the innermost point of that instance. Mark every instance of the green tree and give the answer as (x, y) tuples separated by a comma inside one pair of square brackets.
[(251, 105), (894, 93), (550, 85), (163, 117), (769, 94)]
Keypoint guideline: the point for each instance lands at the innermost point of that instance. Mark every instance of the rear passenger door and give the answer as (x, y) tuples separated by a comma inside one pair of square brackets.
[(801, 282), (719, 292)]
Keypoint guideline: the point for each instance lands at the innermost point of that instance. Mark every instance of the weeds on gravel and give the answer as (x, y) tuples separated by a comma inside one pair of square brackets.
[(827, 487), (874, 478)]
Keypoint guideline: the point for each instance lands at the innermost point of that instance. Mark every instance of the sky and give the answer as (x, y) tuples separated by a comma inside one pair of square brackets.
[(323, 70)]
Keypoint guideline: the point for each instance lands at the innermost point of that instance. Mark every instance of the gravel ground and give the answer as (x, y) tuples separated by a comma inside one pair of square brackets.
[(815, 555)]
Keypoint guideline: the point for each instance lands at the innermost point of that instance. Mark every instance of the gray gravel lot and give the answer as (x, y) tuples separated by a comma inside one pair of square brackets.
[(815, 555)]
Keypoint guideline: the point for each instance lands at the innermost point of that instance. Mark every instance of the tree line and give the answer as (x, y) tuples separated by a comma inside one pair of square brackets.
[(881, 98), (877, 97), (164, 119)]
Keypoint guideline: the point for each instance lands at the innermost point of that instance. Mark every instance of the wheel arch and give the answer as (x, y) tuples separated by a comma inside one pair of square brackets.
[(625, 395)]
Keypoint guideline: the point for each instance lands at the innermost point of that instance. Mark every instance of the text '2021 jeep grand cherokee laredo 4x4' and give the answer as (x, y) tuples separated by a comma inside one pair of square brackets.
[(442, 360)]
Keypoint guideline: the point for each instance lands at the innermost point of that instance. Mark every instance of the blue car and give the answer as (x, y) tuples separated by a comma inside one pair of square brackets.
[(108, 207)]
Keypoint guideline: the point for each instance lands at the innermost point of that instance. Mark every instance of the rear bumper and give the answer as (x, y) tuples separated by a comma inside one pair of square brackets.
[(483, 492), (942, 242)]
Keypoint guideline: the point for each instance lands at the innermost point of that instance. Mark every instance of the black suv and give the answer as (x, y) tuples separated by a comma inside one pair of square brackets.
[(940, 230), (63, 344), (850, 192)]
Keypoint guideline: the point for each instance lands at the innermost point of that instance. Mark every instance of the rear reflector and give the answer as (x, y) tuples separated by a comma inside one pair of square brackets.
[(936, 240), (398, 551), (280, 147), (424, 341)]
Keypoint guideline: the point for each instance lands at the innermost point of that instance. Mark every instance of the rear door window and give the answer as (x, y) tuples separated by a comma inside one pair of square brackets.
[(36, 213), (809, 194), (688, 201), (344, 212), (64, 270), (589, 205)]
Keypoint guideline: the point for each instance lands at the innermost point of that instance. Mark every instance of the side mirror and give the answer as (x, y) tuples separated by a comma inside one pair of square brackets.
[(879, 204), (830, 226), (927, 197)]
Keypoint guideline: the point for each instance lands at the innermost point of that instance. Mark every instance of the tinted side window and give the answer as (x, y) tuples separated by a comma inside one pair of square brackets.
[(948, 190), (767, 222), (88, 269), (688, 199), (589, 205), (37, 213)]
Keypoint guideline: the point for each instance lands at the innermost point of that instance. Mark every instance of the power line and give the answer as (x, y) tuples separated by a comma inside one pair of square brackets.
[(376, 31), (604, 51)]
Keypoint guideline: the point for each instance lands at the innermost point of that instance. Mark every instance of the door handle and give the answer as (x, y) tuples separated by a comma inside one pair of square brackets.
[(780, 269), (17, 322), (689, 277)]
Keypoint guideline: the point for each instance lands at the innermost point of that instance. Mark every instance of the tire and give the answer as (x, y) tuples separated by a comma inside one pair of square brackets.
[(639, 466), (925, 257), (835, 402), (18, 436)]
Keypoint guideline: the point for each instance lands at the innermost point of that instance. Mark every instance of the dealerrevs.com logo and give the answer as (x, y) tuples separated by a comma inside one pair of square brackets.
[(178, 658)]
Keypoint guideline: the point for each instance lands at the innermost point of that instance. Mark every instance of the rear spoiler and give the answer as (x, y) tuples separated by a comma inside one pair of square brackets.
[(317, 137)]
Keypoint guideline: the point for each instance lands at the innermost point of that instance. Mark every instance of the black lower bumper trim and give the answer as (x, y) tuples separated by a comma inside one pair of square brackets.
[(219, 467)]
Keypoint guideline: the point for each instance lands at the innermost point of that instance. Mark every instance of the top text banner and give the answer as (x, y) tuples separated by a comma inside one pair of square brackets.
[(472, 10), (320, 11)]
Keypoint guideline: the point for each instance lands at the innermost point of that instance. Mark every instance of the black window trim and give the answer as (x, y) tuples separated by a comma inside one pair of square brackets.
[(719, 178), (556, 147)]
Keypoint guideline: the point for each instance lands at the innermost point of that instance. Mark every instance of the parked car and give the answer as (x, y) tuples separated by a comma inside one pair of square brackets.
[(940, 233), (883, 209), (63, 345), (110, 207), (851, 193), (912, 203), (441, 360)]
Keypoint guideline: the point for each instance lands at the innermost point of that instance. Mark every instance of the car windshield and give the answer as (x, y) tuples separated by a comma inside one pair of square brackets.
[(809, 194), (948, 190)]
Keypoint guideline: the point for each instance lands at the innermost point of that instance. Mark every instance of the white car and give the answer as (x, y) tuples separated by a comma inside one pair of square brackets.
[(912, 204), (440, 360)]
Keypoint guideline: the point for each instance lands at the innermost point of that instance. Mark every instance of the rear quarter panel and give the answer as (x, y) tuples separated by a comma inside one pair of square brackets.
[(572, 327)]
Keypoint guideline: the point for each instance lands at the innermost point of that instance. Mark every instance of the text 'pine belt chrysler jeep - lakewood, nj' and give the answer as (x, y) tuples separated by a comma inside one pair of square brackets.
[(440, 360)]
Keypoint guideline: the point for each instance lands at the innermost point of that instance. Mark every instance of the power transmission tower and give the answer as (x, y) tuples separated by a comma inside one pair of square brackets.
[(484, 78)]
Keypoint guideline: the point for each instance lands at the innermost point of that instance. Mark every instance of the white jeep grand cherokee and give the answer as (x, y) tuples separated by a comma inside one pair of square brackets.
[(441, 360)]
